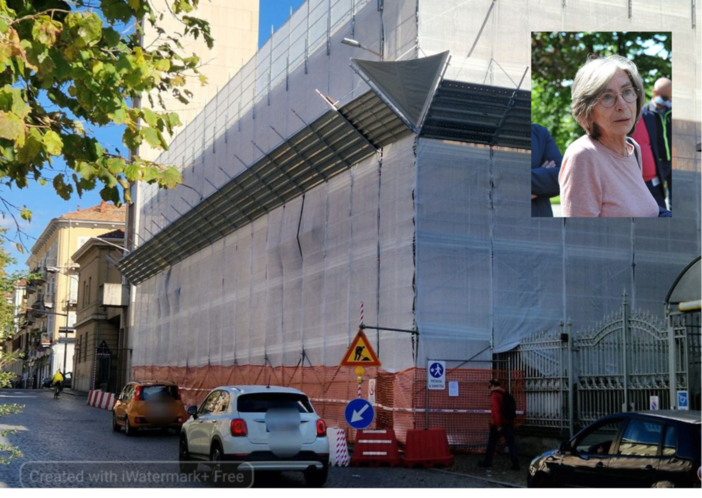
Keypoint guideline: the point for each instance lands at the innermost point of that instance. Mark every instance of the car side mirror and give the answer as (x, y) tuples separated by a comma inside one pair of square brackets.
[(565, 447), (192, 411)]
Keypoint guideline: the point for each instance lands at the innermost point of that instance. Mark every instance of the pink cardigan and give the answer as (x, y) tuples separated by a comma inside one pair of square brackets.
[(598, 182)]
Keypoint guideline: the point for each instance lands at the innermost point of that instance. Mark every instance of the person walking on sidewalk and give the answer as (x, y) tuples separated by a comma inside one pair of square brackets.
[(502, 413)]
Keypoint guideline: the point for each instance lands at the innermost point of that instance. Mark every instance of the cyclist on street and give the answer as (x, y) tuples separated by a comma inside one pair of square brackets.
[(57, 380)]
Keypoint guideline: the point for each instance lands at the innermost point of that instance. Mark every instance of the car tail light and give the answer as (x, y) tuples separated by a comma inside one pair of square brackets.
[(238, 427), (137, 393), (321, 428)]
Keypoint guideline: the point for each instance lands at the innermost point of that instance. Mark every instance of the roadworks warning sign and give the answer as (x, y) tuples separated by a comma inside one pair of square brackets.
[(360, 353)]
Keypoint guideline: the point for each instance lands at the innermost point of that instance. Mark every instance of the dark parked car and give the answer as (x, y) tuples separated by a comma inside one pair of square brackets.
[(638, 449)]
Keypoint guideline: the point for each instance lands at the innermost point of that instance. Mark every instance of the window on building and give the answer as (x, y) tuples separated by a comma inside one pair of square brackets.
[(73, 289), (81, 241)]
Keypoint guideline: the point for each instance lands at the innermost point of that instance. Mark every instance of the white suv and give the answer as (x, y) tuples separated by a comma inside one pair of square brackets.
[(266, 427)]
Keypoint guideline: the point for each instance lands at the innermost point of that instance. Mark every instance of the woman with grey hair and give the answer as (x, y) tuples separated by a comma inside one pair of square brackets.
[(601, 171)]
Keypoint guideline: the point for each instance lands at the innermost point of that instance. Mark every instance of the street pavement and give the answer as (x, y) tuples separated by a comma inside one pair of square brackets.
[(54, 433)]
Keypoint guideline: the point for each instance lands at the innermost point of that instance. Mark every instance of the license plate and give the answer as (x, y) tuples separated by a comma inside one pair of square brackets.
[(158, 411), (281, 427)]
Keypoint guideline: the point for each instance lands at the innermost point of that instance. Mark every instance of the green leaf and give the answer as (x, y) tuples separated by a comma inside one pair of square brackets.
[(90, 29), (151, 135), (111, 37), (26, 214), (174, 119), (11, 127), (31, 148), (53, 143), (150, 174), (132, 172), (86, 170), (119, 116), (149, 116), (62, 189), (46, 31), (171, 177), (116, 10), (162, 65), (115, 165)]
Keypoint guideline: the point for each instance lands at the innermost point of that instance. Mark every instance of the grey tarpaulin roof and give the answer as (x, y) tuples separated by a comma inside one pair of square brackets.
[(688, 285), (443, 109), (406, 87)]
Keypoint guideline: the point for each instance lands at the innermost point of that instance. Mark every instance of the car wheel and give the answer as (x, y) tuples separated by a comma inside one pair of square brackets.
[(115, 425), (315, 478), (128, 429), (186, 465), (219, 469), (540, 481)]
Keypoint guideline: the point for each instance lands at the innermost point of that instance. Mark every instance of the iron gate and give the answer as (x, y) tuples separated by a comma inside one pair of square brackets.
[(618, 365)]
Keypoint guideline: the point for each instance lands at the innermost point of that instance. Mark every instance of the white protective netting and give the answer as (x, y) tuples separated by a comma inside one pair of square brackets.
[(489, 274), (485, 273), (294, 279)]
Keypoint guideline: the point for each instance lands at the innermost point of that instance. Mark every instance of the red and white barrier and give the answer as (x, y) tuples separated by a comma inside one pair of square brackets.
[(375, 447), (338, 449), (100, 399)]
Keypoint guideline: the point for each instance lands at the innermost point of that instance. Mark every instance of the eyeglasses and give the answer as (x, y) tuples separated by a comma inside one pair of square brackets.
[(608, 99)]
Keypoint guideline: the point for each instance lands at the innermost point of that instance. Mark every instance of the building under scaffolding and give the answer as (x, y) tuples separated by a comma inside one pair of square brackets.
[(405, 186)]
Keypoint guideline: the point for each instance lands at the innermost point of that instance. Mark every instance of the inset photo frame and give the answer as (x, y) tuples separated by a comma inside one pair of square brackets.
[(601, 129)]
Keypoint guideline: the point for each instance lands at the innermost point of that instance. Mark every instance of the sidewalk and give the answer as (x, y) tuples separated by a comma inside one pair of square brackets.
[(499, 472)]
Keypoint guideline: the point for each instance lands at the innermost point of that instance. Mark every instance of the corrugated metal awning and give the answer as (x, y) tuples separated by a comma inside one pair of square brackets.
[(330, 145), (482, 114)]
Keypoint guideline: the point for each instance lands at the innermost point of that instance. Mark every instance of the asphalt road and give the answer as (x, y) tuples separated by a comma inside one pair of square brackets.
[(54, 435)]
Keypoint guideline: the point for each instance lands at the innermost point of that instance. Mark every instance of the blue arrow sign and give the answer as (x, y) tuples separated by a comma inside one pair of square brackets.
[(359, 413)]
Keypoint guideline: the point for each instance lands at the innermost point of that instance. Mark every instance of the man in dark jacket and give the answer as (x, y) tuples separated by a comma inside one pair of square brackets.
[(545, 165), (661, 107), (499, 427)]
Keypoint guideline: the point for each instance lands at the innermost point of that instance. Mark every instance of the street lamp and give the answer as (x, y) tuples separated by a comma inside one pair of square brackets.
[(357, 44)]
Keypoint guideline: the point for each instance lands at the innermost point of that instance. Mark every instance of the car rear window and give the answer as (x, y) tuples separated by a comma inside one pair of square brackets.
[(159, 392), (262, 402)]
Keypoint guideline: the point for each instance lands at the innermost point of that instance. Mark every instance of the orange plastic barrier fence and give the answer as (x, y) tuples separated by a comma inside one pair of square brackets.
[(402, 401)]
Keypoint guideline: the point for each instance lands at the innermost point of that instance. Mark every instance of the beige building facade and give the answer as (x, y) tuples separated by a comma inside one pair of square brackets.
[(48, 332), (98, 349), (234, 27)]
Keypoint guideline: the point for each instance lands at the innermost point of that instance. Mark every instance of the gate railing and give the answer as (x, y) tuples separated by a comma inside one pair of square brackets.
[(618, 365), (543, 359)]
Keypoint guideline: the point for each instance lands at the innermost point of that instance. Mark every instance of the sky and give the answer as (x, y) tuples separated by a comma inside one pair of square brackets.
[(43, 201)]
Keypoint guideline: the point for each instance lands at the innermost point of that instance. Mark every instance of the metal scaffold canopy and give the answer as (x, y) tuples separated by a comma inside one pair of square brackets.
[(331, 144)]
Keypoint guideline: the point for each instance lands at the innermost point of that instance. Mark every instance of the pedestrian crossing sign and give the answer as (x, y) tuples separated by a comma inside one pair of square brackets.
[(360, 353)]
